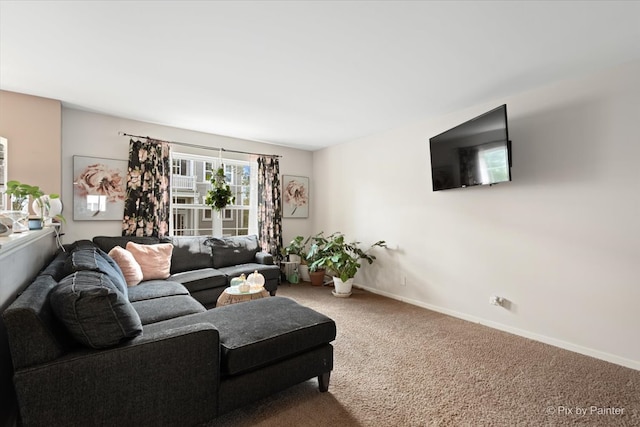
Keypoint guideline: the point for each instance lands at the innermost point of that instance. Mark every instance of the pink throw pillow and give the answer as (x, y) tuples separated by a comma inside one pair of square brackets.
[(154, 260), (128, 264)]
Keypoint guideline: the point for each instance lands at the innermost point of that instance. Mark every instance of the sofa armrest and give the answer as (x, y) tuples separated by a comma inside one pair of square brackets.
[(165, 377), (264, 258)]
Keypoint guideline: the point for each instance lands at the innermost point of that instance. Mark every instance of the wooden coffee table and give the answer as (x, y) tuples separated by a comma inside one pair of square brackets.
[(232, 295)]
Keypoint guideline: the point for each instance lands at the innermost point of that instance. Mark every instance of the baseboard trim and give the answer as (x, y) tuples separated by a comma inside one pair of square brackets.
[(607, 357)]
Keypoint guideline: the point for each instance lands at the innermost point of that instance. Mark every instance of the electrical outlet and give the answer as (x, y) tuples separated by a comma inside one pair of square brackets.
[(495, 300), (403, 280)]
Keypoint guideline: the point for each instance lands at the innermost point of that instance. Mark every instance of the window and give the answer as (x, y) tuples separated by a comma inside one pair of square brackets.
[(181, 166), (209, 169), (190, 183), (207, 214)]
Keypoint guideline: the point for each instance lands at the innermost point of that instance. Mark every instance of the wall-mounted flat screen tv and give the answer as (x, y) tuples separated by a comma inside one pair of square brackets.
[(476, 152)]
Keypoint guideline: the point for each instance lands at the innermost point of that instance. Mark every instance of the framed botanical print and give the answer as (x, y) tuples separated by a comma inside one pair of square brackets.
[(99, 188), (295, 196)]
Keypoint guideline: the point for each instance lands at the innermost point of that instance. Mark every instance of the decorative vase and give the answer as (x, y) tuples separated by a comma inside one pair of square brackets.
[(237, 281), (316, 277), (244, 287), (256, 280), (342, 288), (47, 208), (18, 203)]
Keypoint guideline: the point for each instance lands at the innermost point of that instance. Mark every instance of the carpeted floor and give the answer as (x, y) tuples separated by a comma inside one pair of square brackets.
[(402, 365)]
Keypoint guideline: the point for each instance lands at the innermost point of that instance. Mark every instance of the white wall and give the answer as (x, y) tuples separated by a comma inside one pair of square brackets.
[(561, 242), (96, 135)]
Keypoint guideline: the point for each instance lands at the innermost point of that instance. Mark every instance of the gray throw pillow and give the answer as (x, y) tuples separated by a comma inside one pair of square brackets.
[(106, 243), (234, 250), (93, 259), (189, 253), (94, 311)]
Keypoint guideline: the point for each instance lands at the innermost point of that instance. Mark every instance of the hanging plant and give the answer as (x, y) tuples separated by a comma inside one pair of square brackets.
[(220, 196)]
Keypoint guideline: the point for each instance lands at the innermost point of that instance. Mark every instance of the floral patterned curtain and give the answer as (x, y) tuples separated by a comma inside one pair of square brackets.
[(146, 208), (269, 206)]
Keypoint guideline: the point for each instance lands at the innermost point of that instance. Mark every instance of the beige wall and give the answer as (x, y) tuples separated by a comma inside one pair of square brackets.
[(33, 127)]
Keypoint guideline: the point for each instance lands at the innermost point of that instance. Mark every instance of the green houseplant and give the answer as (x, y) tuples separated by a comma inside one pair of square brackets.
[(296, 251), (296, 247), (220, 195), (21, 192), (316, 272), (343, 259)]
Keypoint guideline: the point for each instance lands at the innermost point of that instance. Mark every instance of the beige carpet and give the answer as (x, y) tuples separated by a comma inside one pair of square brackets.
[(401, 365)]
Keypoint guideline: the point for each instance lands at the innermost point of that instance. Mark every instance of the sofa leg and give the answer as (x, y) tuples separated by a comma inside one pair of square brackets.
[(323, 381)]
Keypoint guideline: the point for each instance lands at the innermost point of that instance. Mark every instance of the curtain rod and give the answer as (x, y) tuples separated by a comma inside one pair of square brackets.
[(186, 144)]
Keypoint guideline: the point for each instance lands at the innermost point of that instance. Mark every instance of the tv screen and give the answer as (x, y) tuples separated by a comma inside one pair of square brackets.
[(477, 152)]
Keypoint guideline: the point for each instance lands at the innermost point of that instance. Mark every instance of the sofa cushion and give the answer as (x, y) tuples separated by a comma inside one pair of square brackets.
[(270, 272), (259, 332), (154, 260), (80, 244), (156, 289), (198, 280), (94, 311), (130, 268), (234, 250), (189, 253), (208, 297), (106, 243), (159, 309), (94, 259)]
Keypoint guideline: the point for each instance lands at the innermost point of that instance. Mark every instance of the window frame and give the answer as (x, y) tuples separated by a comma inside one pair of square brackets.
[(233, 213)]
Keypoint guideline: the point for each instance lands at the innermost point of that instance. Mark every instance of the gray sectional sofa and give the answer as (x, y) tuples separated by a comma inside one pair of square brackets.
[(88, 350), (205, 265)]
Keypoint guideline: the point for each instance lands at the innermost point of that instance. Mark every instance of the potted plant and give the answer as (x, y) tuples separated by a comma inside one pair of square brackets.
[(20, 194), (296, 251), (343, 259), (316, 271), (220, 195)]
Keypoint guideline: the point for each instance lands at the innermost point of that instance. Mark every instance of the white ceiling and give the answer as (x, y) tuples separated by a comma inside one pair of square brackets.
[(305, 74)]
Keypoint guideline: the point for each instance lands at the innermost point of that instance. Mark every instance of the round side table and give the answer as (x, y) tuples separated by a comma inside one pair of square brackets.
[(232, 295)]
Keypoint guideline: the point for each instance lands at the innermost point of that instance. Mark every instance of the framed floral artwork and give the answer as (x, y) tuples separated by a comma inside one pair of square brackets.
[(295, 196), (99, 188)]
